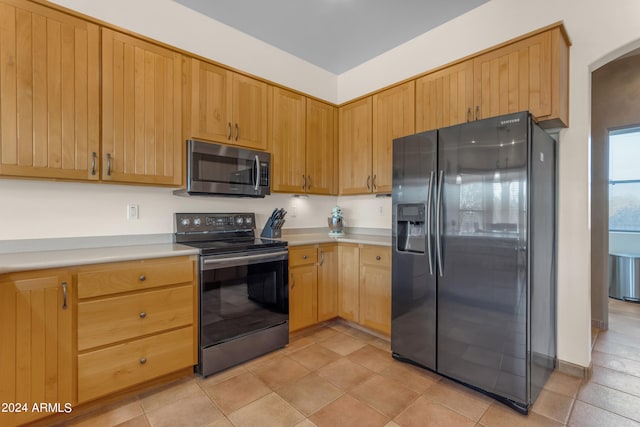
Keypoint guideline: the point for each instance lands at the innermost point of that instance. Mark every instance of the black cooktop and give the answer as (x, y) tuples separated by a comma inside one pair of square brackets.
[(235, 245)]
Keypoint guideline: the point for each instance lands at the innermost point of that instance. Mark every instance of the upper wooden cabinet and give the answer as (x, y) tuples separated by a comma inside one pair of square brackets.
[(49, 80), (37, 333), (355, 145), (288, 142), (321, 150), (367, 130), (393, 117), (141, 111), (445, 97), (532, 73), (224, 106)]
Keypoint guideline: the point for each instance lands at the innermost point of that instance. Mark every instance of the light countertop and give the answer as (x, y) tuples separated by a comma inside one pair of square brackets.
[(318, 237)]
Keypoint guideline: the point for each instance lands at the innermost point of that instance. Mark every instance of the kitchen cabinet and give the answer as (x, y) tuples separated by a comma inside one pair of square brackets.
[(393, 117), (445, 97), (328, 262), (349, 282), (137, 321), (302, 144), (303, 287), (224, 106), (37, 332), (50, 84), (375, 288), (288, 142), (355, 146), (141, 111), (530, 74)]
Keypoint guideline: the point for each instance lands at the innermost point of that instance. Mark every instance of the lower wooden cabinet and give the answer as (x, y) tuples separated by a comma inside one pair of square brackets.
[(349, 282), (313, 284), (36, 350), (375, 288)]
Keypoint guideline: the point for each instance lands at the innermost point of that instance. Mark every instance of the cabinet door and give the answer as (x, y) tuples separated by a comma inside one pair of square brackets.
[(349, 282), (36, 355), (445, 98), (375, 288), (393, 117), (249, 112), (288, 142), (208, 107), (303, 288), (49, 80), (514, 78), (355, 147), (327, 282), (321, 149), (141, 111)]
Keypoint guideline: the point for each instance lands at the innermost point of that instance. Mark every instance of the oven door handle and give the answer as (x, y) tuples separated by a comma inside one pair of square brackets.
[(213, 263)]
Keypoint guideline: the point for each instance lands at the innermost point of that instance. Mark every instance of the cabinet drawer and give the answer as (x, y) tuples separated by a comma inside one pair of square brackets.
[(133, 276), (115, 368), (303, 255), (109, 320), (376, 255)]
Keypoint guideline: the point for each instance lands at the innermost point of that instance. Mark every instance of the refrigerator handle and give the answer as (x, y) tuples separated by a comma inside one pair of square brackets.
[(428, 225), (439, 224)]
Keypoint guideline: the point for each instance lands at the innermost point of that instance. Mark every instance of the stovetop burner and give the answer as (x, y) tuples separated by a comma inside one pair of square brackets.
[(217, 233)]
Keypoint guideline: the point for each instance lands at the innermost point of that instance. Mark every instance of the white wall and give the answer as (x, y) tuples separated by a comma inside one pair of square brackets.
[(599, 31)]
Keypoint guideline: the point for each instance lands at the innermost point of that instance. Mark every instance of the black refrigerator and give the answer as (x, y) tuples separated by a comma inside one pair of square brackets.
[(474, 255)]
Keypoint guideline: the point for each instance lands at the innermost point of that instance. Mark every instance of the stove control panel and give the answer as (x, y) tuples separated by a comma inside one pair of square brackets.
[(213, 222)]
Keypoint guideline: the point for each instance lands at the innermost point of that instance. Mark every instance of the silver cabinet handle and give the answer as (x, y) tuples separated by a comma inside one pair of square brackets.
[(469, 114), (93, 163), (432, 178), (321, 257), (142, 314), (304, 257), (368, 181), (142, 277), (108, 164), (377, 257), (293, 281), (374, 182), (310, 182), (64, 295), (237, 132), (143, 360), (229, 134), (477, 112), (439, 223), (304, 181)]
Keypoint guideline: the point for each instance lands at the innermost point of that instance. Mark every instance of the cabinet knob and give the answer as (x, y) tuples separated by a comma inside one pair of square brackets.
[(377, 257), (142, 277), (143, 360), (142, 314), (304, 257)]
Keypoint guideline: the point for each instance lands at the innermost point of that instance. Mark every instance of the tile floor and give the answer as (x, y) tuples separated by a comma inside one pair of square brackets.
[(340, 376)]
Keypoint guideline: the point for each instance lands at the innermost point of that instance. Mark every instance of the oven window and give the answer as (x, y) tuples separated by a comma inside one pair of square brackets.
[(235, 301), (223, 169)]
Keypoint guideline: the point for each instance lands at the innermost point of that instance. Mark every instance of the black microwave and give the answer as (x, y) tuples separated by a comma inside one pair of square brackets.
[(223, 170)]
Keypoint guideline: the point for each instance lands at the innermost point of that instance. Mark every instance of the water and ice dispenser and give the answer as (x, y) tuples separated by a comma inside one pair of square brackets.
[(411, 227)]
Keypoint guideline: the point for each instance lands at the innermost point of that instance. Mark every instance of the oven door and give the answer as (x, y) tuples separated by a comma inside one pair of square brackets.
[(242, 294)]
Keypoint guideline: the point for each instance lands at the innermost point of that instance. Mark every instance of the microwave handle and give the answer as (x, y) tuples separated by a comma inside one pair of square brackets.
[(257, 160)]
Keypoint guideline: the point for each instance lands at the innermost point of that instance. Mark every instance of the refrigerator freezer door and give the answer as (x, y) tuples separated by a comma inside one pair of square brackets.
[(413, 306), (482, 294)]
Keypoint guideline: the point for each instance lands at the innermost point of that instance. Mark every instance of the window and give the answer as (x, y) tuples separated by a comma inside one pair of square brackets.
[(624, 179)]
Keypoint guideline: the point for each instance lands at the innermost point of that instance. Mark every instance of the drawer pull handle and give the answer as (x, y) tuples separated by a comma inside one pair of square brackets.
[(377, 257), (142, 314), (142, 277), (143, 360), (64, 295), (304, 257)]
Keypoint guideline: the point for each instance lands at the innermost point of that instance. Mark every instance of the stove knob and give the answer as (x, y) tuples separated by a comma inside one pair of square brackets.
[(248, 220), (239, 220), (185, 222), (197, 222)]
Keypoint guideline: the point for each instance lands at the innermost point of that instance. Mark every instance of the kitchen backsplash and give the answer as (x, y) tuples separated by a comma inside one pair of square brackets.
[(47, 209)]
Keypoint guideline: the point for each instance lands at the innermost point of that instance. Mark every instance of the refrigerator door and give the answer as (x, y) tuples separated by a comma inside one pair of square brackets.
[(413, 303), (482, 290)]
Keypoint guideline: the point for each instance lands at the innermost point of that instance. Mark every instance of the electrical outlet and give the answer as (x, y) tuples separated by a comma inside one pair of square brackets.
[(381, 210), (133, 211)]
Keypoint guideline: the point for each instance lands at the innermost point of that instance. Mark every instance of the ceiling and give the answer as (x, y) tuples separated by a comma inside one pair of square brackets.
[(335, 35)]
